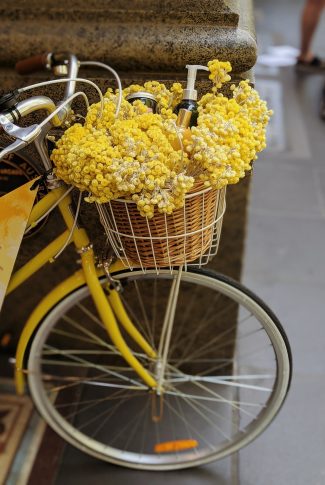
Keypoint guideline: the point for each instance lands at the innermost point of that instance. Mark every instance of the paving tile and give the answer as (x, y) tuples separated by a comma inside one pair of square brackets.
[(300, 309), (287, 134), (319, 176), (271, 90), (96, 472), (285, 249), (290, 190), (285, 265), (291, 450), (309, 89)]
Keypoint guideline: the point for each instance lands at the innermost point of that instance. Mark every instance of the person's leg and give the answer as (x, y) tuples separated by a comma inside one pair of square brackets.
[(309, 21)]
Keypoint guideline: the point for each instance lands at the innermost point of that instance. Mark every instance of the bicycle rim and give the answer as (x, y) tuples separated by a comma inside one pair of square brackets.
[(227, 376)]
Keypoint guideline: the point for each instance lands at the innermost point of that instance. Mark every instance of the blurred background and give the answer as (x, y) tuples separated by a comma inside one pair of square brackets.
[(282, 260)]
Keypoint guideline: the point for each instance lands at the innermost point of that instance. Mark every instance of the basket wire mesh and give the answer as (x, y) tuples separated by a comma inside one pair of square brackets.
[(188, 236)]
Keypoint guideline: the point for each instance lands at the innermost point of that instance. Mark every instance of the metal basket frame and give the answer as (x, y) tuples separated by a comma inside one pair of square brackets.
[(120, 239)]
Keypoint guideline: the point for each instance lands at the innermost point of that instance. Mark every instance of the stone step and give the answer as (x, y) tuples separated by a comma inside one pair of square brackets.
[(119, 15), (129, 47), (186, 11), (132, 35)]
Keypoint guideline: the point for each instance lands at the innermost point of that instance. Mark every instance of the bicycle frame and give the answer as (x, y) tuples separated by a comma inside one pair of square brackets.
[(108, 306)]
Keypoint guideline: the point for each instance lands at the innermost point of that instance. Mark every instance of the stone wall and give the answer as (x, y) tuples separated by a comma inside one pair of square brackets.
[(133, 35)]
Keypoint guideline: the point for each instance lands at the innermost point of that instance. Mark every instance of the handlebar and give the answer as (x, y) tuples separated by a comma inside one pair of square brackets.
[(34, 64), (48, 61), (62, 63), (16, 110)]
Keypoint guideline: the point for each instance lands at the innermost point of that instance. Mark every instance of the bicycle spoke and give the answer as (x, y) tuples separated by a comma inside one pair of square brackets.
[(158, 440), (199, 403), (212, 399), (140, 355), (92, 335), (203, 350), (210, 391), (200, 326), (179, 405), (226, 401), (75, 364), (128, 423), (196, 406), (82, 352), (187, 313), (189, 425), (220, 384), (144, 437), (75, 381), (92, 317), (144, 312), (250, 353), (83, 407), (110, 412), (215, 380), (135, 428), (89, 401), (154, 310), (119, 386), (211, 344), (189, 436), (172, 427), (136, 320), (96, 366), (167, 328), (104, 421), (65, 333)]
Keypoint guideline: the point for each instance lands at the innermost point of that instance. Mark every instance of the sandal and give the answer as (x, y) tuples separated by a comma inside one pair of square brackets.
[(315, 64)]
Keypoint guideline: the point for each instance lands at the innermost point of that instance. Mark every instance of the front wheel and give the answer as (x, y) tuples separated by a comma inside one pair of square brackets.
[(227, 374)]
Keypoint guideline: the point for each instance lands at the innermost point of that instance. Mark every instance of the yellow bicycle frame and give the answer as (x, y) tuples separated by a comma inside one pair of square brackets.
[(107, 306)]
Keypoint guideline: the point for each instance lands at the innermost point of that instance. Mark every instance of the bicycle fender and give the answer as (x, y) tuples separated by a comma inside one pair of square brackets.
[(51, 299)]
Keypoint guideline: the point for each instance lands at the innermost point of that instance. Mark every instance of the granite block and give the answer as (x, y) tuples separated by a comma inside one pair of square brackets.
[(144, 35), (210, 11)]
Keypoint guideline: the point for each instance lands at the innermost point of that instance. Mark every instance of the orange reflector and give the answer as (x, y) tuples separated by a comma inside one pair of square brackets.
[(172, 446)]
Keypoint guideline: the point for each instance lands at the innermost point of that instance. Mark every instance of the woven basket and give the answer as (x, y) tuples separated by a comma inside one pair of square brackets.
[(166, 240)]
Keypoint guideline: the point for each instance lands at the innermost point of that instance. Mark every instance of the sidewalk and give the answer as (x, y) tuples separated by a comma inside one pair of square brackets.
[(285, 261)]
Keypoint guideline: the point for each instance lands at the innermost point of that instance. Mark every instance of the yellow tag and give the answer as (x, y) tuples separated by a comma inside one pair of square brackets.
[(15, 209)]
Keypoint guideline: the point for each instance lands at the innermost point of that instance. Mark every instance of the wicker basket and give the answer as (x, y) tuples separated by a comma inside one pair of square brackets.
[(188, 234)]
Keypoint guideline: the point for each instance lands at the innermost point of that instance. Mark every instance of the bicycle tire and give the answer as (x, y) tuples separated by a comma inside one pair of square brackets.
[(182, 389)]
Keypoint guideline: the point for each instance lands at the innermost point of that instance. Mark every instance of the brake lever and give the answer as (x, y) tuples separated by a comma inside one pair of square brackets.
[(14, 147), (27, 134), (24, 136)]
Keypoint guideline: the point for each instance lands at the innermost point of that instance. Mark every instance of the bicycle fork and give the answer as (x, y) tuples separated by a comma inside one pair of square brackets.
[(108, 318), (105, 309)]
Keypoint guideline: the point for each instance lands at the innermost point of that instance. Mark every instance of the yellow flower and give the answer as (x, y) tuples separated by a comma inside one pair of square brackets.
[(132, 155)]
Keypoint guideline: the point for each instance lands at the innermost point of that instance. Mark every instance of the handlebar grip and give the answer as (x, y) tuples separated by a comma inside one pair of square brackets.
[(32, 64)]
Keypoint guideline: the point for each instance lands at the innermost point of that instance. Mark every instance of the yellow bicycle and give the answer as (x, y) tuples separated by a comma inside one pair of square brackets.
[(148, 368)]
